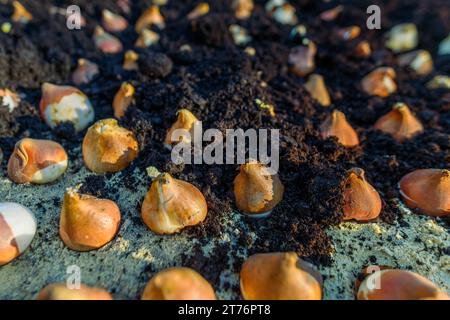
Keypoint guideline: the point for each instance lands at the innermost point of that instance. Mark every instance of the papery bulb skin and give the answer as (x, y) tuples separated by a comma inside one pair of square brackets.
[(257, 192), (37, 161), (123, 99), (392, 284), (279, 276), (87, 223), (107, 147), (61, 104), (171, 205), (178, 284), (17, 229), (60, 291), (400, 123), (428, 190), (361, 201), (336, 125)]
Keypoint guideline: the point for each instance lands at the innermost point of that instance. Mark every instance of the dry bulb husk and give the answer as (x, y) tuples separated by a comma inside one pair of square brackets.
[(178, 284), (107, 147), (279, 276), (171, 205)]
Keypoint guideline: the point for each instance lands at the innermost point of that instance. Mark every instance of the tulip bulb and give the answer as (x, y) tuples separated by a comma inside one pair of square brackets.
[(363, 50), (106, 42), (318, 90), (400, 123), (85, 72), (279, 276), (242, 8), (285, 14), (151, 16), (130, 61), (178, 284), (336, 125), (256, 190), (37, 161), (9, 99), (107, 147), (380, 82), (21, 14), (391, 284), (87, 223), (123, 99), (185, 121), (61, 104), (301, 59), (402, 37), (60, 291), (439, 82), (113, 22), (171, 205), (331, 14), (17, 230), (349, 33), (147, 38), (361, 201), (427, 190), (420, 61), (200, 10)]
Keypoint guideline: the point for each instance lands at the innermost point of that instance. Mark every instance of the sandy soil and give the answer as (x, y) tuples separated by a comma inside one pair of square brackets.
[(124, 266)]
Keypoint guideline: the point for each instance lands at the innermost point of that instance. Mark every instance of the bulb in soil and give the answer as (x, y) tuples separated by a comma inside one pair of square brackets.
[(362, 49), (402, 37), (391, 284), (147, 38), (87, 223), (107, 147), (106, 42), (380, 82), (151, 16), (348, 33), (60, 291), (242, 8), (361, 201), (17, 230), (239, 34), (21, 14), (123, 99), (318, 90), (113, 22), (200, 10), (185, 121), (60, 104), (130, 61), (9, 99), (420, 61), (171, 205), (85, 72), (285, 14), (444, 46), (279, 276), (178, 284), (256, 191), (428, 190), (331, 14), (301, 59), (37, 161), (439, 82), (336, 125), (400, 123)]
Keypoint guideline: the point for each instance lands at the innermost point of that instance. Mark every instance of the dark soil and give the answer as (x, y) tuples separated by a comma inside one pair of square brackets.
[(219, 83)]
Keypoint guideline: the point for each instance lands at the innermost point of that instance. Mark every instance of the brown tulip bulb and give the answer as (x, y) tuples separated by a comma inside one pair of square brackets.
[(318, 90), (87, 223), (178, 284), (113, 22), (242, 8), (171, 205), (107, 147), (21, 14), (147, 38), (380, 82), (256, 190), (363, 50), (123, 99), (427, 190), (279, 276), (85, 72), (336, 125), (185, 121), (130, 61), (60, 291), (301, 59), (399, 123), (390, 284), (361, 201), (151, 16), (37, 161), (106, 42), (200, 10)]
